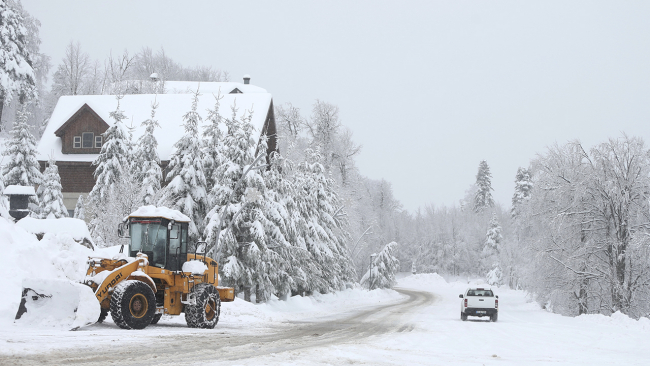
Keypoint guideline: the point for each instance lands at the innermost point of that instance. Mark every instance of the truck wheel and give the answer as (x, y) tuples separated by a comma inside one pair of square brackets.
[(133, 305), (494, 317), (156, 318), (463, 316), (102, 315), (205, 313)]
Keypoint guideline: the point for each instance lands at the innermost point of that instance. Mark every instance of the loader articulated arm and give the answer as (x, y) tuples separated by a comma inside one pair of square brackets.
[(118, 275)]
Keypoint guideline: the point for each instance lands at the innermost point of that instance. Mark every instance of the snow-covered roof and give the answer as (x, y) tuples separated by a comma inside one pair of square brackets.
[(76, 228), (153, 211), (183, 87), (137, 108), (19, 190)]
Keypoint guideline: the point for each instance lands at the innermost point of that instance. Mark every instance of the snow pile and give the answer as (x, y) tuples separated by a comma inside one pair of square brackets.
[(58, 303), (194, 267), (112, 253), (239, 312), (153, 211), (618, 319), (56, 256), (75, 227)]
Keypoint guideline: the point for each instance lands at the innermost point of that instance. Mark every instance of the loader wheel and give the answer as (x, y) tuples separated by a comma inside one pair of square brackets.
[(133, 305), (156, 318), (102, 315), (205, 314)]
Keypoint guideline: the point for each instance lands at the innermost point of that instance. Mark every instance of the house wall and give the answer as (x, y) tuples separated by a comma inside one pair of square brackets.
[(85, 121), (78, 177)]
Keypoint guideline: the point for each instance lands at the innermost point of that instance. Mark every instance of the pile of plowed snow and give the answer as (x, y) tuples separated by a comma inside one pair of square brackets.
[(23, 256)]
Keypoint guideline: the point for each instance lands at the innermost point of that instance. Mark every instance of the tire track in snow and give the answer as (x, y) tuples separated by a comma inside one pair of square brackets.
[(194, 349)]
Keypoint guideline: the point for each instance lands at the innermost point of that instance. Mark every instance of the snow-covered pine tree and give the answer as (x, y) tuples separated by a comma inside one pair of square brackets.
[(523, 187), (212, 142), (243, 216), (49, 193), (292, 271), (16, 72), (324, 231), (483, 198), (186, 191), (493, 236), (384, 267), (113, 158), (112, 171), (491, 251), (130, 150), (147, 162), (22, 167), (79, 209)]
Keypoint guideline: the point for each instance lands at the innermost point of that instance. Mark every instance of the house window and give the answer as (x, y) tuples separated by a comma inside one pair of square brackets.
[(87, 140), (98, 141), (77, 142)]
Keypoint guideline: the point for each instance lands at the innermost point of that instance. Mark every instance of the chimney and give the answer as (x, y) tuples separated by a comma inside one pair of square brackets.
[(247, 79)]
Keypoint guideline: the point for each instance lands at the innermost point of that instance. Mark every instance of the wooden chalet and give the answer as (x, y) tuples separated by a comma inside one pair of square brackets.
[(73, 136)]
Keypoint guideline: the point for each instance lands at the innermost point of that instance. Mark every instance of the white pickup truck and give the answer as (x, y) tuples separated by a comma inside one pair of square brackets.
[(479, 301)]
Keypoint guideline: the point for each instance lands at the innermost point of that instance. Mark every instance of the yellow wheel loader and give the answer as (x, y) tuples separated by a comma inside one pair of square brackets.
[(155, 276)]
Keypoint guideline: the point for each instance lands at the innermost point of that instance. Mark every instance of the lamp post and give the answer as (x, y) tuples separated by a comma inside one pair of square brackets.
[(372, 259), (19, 200)]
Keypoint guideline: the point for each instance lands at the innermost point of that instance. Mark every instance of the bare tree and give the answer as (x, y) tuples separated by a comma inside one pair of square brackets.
[(118, 69), (70, 76), (588, 221)]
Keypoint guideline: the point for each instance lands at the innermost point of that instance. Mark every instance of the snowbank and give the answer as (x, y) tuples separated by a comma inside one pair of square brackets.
[(56, 256), (74, 227), (616, 319)]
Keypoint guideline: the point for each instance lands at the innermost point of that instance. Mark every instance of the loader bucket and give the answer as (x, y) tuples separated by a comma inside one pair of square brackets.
[(57, 303)]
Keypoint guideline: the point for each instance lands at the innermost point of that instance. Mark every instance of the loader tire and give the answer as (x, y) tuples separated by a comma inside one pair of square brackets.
[(133, 305), (102, 315), (205, 314), (156, 318)]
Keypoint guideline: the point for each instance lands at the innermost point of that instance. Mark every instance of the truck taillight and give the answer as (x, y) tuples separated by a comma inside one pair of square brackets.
[(496, 303), (465, 302)]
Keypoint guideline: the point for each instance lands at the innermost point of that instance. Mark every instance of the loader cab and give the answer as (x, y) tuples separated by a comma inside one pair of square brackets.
[(164, 241)]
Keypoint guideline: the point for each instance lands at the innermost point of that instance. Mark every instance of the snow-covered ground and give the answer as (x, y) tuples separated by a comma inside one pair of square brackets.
[(524, 335), (382, 328)]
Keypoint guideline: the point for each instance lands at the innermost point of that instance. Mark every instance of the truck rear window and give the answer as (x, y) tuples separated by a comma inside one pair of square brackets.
[(480, 293)]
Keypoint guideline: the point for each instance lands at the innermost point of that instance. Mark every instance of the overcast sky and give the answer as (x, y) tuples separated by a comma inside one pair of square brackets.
[(429, 88)]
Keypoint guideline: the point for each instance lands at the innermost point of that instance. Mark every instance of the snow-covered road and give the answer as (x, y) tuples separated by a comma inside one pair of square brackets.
[(417, 325)]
